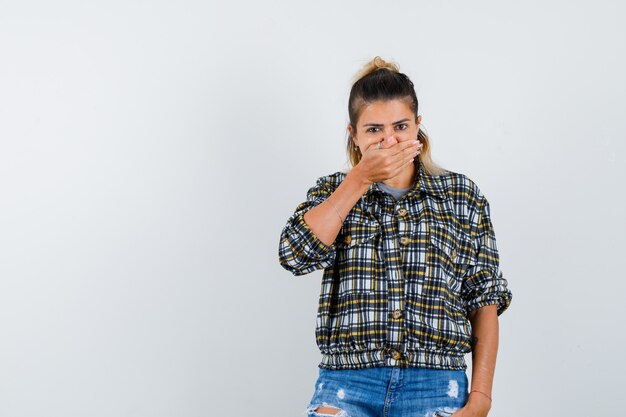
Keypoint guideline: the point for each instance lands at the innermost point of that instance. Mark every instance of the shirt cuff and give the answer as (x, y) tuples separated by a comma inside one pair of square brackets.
[(309, 239), (501, 298)]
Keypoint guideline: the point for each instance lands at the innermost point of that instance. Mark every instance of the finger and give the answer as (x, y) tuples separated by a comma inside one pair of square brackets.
[(406, 146), (385, 143), (404, 163), (374, 144), (409, 149), (404, 159)]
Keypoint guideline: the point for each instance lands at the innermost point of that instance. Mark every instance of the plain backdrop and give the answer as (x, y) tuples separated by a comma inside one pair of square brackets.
[(152, 151)]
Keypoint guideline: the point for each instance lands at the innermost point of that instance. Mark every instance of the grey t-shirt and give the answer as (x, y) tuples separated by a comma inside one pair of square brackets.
[(396, 193)]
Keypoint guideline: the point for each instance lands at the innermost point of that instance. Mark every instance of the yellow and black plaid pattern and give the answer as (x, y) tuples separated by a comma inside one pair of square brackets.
[(401, 276)]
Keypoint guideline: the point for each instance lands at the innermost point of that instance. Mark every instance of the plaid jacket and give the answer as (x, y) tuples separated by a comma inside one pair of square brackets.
[(401, 276)]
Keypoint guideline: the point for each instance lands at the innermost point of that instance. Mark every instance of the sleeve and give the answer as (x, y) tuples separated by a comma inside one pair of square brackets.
[(300, 251), (484, 283)]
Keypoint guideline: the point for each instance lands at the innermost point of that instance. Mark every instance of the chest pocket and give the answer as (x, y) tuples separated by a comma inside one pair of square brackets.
[(450, 252), (358, 258)]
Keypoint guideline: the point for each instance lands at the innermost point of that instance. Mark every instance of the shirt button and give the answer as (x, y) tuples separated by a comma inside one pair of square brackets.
[(404, 240), (402, 211), (347, 239), (453, 254), (395, 354), (397, 314)]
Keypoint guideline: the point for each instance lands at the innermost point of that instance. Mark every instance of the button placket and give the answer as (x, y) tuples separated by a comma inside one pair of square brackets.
[(395, 229)]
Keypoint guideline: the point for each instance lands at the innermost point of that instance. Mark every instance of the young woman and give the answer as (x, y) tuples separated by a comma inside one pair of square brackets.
[(411, 279)]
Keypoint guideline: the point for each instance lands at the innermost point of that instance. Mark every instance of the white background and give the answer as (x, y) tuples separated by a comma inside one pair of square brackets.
[(151, 152)]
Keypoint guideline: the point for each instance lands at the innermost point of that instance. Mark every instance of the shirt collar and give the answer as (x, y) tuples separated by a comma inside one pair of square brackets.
[(424, 182)]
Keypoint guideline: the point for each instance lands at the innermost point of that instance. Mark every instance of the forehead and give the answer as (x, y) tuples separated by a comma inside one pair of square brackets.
[(387, 111)]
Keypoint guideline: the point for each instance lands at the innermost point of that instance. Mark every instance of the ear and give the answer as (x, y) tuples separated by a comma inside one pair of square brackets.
[(418, 119), (351, 131)]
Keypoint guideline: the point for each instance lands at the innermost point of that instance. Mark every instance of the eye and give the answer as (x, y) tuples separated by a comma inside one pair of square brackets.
[(402, 126), (371, 129)]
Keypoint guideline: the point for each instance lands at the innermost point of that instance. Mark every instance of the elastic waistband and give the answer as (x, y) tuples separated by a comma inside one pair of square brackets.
[(420, 358)]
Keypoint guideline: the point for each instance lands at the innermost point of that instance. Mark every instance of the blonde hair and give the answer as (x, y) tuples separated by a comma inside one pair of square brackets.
[(373, 65), (382, 80)]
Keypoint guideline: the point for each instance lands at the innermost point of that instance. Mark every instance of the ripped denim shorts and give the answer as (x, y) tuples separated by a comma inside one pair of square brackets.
[(388, 392)]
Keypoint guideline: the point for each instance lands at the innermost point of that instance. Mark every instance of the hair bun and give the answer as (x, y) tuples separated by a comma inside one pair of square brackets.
[(374, 65)]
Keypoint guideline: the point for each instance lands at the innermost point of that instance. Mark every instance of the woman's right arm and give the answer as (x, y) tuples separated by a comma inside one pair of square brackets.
[(324, 219), (307, 240), (376, 165)]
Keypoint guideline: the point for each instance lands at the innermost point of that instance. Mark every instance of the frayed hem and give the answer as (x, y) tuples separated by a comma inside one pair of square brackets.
[(311, 410)]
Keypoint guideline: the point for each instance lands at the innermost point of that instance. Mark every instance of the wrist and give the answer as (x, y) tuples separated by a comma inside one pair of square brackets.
[(479, 401), (358, 177)]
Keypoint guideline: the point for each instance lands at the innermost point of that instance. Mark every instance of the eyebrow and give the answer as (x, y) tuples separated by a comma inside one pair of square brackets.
[(380, 124)]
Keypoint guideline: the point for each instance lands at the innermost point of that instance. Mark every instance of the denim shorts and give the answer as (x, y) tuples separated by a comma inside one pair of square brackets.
[(390, 392)]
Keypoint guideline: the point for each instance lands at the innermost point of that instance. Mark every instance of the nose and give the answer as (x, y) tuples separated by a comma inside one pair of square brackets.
[(390, 135)]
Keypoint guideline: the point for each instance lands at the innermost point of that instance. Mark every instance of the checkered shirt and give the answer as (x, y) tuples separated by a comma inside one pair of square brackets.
[(401, 276)]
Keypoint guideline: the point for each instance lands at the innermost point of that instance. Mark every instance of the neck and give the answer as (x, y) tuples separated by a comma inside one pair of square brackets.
[(404, 179)]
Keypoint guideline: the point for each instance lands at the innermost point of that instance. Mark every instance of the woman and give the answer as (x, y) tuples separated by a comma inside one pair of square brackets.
[(411, 277)]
